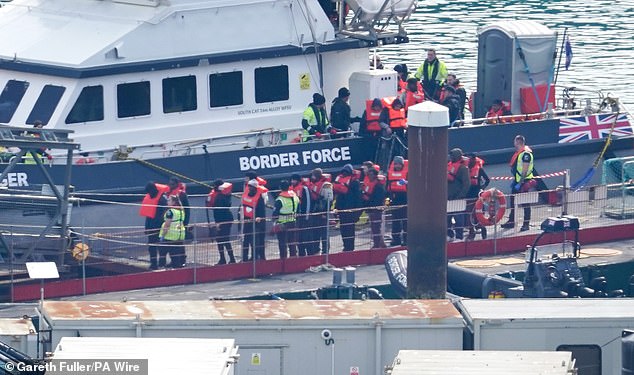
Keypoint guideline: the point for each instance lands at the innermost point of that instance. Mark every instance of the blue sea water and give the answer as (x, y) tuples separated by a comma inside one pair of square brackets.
[(601, 34)]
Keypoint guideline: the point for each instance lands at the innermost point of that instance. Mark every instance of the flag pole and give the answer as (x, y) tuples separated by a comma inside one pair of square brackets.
[(561, 52)]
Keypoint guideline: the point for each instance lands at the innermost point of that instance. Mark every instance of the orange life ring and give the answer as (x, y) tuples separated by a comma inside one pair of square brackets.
[(490, 207)]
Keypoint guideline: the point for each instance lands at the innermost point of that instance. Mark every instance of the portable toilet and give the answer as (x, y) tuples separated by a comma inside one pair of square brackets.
[(516, 63)]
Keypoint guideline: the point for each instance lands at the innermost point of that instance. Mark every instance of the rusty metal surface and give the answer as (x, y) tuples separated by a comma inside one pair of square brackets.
[(16, 327), (432, 310)]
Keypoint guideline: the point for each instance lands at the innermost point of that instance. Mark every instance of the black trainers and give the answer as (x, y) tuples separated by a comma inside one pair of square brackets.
[(524, 228), (508, 225), (483, 232)]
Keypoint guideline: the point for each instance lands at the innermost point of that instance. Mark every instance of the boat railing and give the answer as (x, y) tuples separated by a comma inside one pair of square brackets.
[(598, 206)]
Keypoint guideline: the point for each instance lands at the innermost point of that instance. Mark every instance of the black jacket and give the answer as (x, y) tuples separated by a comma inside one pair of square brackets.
[(340, 115), (222, 215), (350, 200)]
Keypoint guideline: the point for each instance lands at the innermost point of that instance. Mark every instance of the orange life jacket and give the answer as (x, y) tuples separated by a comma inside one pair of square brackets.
[(177, 190), (517, 153), (452, 168), (249, 203), (341, 184), (412, 98), (402, 85), (474, 171), (261, 182), (368, 186), (397, 117), (393, 177), (372, 117), (315, 187), (149, 204), (224, 189)]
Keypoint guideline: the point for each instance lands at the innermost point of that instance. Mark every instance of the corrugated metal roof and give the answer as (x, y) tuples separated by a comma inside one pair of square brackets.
[(577, 308), (16, 327), (164, 355), (435, 311), (432, 362)]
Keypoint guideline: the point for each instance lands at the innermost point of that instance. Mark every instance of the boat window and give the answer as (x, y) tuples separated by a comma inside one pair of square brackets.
[(179, 94), (10, 98), (46, 103), (587, 357), (88, 107), (225, 89), (133, 99), (271, 84)]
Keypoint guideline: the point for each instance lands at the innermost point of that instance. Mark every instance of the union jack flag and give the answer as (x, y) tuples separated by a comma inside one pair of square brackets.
[(593, 127)]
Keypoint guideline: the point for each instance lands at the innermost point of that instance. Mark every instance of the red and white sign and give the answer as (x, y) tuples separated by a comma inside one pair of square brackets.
[(354, 370)]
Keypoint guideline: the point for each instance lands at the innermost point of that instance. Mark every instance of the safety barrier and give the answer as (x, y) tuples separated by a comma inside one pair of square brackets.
[(124, 250)]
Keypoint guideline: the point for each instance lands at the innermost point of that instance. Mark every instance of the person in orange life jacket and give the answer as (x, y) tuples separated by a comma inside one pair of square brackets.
[(153, 209), (375, 123), (303, 222), (220, 200), (254, 228), (397, 192), (452, 102), (413, 93), (398, 119), (347, 200), (373, 195), (454, 82), (340, 114), (478, 181), (457, 188), (261, 185), (284, 213), (497, 109), (523, 171), (173, 233), (318, 213), (315, 120), (403, 76), (85, 159)]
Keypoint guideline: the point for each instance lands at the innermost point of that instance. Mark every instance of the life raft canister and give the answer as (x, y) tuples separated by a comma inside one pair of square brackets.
[(490, 207)]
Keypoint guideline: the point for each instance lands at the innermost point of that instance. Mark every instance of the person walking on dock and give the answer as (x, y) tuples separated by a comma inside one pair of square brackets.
[(285, 214), (173, 234), (153, 208), (220, 200), (254, 215), (523, 169), (397, 192), (347, 192), (303, 222), (457, 188)]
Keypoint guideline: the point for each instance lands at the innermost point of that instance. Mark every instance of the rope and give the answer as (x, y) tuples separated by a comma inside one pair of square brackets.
[(528, 72), (586, 177), (170, 172), (547, 175)]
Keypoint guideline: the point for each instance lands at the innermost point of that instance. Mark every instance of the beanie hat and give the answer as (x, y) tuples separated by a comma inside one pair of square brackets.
[(253, 183), (399, 160), (376, 102), (318, 99), (343, 92), (348, 168)]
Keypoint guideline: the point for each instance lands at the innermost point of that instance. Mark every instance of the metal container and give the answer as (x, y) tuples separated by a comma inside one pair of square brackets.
[(276, 337), (589, 328), (422, 362)]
